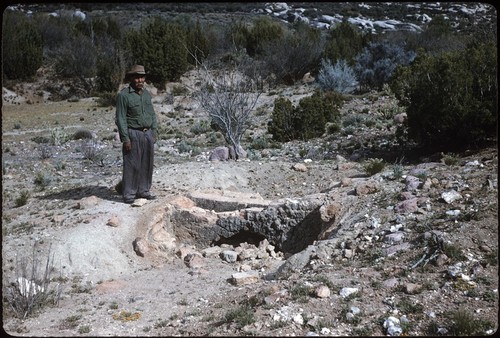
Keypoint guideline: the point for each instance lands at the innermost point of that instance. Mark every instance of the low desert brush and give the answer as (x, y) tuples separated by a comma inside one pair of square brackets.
[(464, 324), (22, 199), (449, 159), (32, 289), (373, 166), (42, 180), (242, 316)]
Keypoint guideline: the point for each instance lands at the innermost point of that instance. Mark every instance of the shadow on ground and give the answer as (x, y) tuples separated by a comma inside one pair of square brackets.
[(105, 193)]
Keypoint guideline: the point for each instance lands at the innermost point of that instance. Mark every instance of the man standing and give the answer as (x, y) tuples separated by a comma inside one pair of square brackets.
[(137, 126)]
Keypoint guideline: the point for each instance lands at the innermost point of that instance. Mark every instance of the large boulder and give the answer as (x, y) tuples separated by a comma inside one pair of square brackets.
[(224, 153), (220, 154)]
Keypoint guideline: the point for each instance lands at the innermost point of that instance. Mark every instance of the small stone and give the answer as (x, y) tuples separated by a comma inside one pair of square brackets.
[(229, 256), (300, 167), (390, 283), (141, 246), (244, 278), (113, 221), (346, 292), (322, 291), (411, 288), (450, 196), (139, 202), (194, 260), (348, 253)]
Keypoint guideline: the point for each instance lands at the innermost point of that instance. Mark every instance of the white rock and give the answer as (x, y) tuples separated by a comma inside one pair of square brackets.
[(298, 319), (355, 310), (453, 213), (139, 202), (325, 331), (474, 163), (450, 196), (391, 324), (346, 292)]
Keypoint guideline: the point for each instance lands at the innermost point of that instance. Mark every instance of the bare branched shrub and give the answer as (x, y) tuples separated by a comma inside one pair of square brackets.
[(32, 289), (229, 96)]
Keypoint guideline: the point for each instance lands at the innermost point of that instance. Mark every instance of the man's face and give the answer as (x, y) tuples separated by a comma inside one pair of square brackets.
[(137, 81)]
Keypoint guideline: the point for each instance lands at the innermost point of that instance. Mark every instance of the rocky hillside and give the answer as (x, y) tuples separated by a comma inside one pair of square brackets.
[(344, 235), (374, 17), (299, 240)]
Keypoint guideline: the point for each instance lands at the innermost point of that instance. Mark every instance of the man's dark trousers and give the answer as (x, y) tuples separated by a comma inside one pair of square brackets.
[(138, 164)]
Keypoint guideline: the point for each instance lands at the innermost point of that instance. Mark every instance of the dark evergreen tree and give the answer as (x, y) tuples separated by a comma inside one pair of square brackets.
[(451, 99), (307, 120), (344, 42), (161, 47), (22, 46), (281, 126)]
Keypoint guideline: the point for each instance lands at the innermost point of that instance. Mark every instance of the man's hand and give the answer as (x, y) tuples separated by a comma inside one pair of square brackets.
[(127, 146)]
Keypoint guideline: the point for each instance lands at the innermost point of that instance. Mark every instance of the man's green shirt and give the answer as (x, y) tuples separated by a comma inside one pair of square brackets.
[(134, 110)]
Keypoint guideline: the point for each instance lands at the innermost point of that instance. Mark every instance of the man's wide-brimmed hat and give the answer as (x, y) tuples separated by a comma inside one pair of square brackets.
[(136, 70)]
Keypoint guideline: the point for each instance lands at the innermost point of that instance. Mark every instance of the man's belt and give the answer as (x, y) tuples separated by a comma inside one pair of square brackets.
[(143, 129)]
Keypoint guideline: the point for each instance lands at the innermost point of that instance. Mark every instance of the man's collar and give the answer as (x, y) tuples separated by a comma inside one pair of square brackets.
[(132, 90)]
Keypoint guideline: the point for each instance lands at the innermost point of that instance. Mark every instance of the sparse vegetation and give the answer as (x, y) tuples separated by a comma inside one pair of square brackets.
[(339, 77), (398, 169), (126, 316), (22, 199), (91, 150), (161, 323), (450, 158), (42, 180), (300, 293), (83, 134), (453, 251), (241, 316), (32, 289), (464, 323), (201, 127), (70, 322), (84, 329), (58, 136), (373, 166), (45, 152)]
